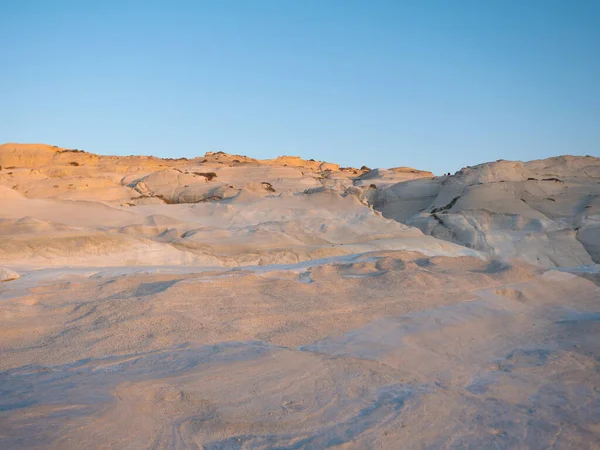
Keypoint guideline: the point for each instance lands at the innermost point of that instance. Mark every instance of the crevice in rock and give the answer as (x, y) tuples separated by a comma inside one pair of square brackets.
[(447, 207)]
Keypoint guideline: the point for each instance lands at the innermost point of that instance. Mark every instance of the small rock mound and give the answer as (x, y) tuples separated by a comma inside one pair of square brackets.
[(8, 275)]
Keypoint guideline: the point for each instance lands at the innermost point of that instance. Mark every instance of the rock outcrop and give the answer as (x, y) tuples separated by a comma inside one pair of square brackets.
[(8, 275), (546, 212)]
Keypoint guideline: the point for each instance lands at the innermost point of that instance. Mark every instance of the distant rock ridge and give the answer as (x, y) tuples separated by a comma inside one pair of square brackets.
[(546, 212), (45, 171)]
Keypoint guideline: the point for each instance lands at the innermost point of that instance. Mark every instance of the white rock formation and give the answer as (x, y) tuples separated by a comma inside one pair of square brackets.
[(270, 306), (546, 212)]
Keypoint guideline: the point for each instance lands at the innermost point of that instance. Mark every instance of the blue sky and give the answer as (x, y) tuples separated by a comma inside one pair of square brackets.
[(431, 84)]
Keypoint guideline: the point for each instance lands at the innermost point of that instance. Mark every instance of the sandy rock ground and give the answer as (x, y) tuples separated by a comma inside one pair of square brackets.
[(224, 302)]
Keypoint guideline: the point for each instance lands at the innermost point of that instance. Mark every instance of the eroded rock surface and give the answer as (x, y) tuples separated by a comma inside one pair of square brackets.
[(546, 212)]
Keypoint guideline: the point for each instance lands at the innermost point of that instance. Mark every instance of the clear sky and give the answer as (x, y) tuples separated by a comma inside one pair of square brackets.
[(431, 84)]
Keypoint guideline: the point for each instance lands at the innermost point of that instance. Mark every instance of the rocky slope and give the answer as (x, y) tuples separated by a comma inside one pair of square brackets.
[(68, 207), (546, 212)]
